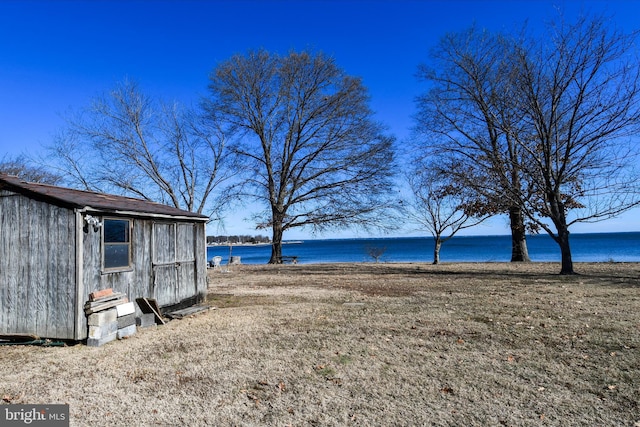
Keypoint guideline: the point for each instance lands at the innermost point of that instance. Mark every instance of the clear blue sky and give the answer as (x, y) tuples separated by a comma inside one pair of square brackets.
[(57, 55)]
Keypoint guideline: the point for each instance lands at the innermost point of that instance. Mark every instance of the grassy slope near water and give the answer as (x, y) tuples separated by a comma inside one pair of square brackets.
[(365, 344)]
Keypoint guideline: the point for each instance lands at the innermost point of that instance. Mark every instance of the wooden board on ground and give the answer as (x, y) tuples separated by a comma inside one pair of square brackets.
[(19, 337), (179, 314), (149, 305)]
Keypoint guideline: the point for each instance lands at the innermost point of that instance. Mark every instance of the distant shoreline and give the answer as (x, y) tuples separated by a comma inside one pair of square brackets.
[(610, 247), (290, 242), (425, 237)]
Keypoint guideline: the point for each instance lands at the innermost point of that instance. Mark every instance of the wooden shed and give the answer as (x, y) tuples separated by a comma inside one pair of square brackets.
[(57, 245)]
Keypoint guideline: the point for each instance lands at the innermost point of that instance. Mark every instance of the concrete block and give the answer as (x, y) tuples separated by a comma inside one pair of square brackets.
[(102, 331), (126, 332), (126, 308), (102, 317), (146, 320), (128, 320), (97, 342)]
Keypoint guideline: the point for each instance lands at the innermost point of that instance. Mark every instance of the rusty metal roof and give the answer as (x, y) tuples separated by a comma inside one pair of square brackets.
[(107, 203)]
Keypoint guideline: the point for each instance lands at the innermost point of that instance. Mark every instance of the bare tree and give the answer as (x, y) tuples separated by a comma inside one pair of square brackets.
[(463, 118), (440, 206), (579, 90), (311, 152), (28, 170), (546, 124), (376, 252), (128, 143)]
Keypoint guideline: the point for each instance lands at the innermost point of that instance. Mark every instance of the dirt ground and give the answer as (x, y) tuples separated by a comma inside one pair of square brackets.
[(491, 344)]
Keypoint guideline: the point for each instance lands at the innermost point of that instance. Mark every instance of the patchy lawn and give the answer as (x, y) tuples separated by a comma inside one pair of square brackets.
[(365, 344)]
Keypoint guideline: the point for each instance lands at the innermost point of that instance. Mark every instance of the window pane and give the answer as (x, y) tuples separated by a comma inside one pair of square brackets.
[(116, 256), (116, 245), (116, 231)]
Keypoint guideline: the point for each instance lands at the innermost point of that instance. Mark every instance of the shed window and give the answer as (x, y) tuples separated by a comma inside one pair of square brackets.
[(116, 243)]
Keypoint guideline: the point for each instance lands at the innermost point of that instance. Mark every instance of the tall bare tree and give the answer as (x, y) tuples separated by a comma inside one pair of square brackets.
[(463, 117), (128, 143), (578, 89), (312, 154), (546, 124)]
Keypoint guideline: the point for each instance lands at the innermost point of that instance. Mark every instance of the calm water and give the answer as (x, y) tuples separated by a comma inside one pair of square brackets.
[(600, 247)]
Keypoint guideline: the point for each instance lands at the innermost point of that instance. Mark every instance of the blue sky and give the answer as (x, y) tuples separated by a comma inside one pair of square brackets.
[(57, 55)]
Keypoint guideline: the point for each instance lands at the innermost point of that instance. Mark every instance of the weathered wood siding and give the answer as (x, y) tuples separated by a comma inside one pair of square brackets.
[(175, 262), (168, 262), (43, 290), (37, 268)]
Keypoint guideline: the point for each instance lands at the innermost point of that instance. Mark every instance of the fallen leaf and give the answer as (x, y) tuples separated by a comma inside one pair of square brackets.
[(611, 387), (447, 390)]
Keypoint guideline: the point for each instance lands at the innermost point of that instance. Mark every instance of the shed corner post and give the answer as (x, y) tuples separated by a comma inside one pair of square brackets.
[(80, 320)]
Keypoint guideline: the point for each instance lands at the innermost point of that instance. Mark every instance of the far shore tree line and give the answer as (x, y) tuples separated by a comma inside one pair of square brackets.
[(237, 239), (539, 127)]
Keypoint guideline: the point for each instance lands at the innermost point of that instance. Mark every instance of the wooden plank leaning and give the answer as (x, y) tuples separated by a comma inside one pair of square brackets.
[(149, 305)]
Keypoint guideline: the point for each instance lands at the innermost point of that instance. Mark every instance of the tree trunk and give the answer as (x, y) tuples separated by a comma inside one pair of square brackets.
[(565, 251), (276, 243), (519, 251), (436, 250)]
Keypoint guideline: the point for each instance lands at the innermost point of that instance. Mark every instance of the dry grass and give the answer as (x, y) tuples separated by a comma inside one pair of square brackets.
[(365, 344)]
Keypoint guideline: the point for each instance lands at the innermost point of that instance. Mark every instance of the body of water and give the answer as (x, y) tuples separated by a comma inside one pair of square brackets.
[(596, 247)]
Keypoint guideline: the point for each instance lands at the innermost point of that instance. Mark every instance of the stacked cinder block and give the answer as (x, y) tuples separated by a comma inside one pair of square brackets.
[(110, 315), (146, 320), (126, 320), (103, 327)]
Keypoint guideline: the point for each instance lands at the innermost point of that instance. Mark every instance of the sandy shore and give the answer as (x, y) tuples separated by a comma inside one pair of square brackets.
[(365, 344)]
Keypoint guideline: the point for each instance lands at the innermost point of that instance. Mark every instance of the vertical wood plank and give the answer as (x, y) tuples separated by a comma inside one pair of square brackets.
[(144, 251), (20, 300), (56, 262), (185, 242), (8, 265), (80, 293), (200, 243), (41, 261), (91, 262), (4, 235), (55, 245), (13, 262), (186, 286)]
